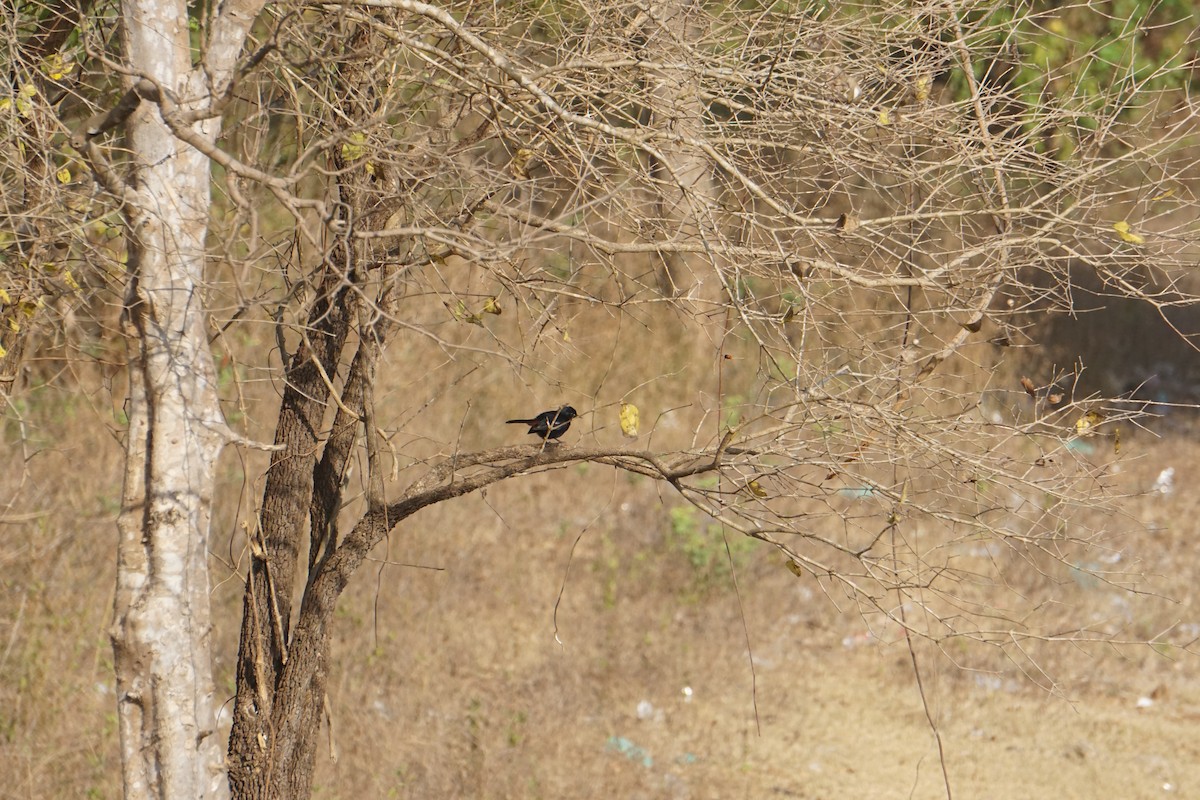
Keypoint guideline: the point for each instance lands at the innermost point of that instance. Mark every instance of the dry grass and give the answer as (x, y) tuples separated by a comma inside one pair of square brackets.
[(450, 681)]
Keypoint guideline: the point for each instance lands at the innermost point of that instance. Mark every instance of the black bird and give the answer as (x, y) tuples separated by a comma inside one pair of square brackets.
[(549, 424)]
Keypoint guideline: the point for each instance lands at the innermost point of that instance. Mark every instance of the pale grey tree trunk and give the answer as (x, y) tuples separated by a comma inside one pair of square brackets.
[(162, 628)]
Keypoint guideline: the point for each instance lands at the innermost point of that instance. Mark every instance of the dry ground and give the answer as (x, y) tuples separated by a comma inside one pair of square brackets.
[(450, 682)]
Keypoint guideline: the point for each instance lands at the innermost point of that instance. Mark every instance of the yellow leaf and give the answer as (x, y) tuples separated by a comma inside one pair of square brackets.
[(1084, 425), (566, 336), (25, 99), (356, 147), (5, 104), (629, 420), (69, 279), (13, 325), (3, 352), (794, 568), (492, 306), (54, 66), (519, 166), (4, 298), (885, 118), (63, 175), (756, 489), (463, 314), (1163, 195), (29, 307), (922, 87), (1126, 233)]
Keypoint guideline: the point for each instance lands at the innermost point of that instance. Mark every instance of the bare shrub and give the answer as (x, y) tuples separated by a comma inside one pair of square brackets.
[(803, 242)]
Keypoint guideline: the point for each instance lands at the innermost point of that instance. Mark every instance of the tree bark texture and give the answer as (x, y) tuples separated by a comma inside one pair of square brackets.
[(282, 668), (262, 746), (162, 619)]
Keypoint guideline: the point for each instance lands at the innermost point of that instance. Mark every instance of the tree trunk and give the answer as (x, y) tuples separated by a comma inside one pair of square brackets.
[(282, 667), (263, 758), (161, 633)]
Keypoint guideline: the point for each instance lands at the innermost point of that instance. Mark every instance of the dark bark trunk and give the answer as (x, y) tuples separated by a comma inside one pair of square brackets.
[(259, 765)]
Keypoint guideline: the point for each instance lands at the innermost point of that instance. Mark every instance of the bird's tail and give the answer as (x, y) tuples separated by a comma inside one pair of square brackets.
[(519, 421)]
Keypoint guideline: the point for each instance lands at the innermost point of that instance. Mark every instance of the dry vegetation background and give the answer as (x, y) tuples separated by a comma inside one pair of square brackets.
[(448, 679), (585, 632)]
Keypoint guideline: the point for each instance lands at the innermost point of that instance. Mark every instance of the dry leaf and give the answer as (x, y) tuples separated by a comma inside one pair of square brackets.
[(1085, 424), (1028, 386), (519, 166), (922, 87), (54, 66), (462, 314), (629, 420), (29, 307), (355, 148), (1126, 233)]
